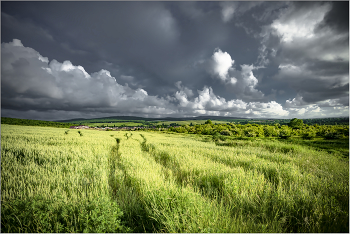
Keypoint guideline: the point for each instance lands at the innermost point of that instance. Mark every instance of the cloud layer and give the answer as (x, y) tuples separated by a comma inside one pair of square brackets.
[(245, 59)]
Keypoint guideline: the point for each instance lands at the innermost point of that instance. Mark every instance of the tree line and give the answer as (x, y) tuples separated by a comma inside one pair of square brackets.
[(295, 127)]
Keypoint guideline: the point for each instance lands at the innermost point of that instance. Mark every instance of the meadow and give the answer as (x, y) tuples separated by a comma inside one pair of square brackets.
[(59, 180)]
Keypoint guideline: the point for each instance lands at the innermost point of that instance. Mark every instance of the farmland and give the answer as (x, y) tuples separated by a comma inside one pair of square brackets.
[(54, 180)]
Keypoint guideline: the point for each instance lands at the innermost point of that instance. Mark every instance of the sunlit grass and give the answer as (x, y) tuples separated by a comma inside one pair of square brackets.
[(58, 181)]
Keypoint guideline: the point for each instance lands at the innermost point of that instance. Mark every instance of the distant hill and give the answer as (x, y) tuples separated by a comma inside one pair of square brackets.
[(31, 122), (142, 119), (180, 121)]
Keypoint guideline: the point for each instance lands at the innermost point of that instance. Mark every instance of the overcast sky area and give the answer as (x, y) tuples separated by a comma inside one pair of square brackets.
[(64, 60)]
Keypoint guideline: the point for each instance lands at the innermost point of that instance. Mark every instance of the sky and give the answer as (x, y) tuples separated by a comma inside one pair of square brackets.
[(64, 60)]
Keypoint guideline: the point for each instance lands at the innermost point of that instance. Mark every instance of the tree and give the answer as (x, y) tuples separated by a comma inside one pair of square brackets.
[(208, 121), (296, 123)]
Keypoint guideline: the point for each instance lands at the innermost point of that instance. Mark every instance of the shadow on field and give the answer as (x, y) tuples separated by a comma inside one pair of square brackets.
[(338, 147)]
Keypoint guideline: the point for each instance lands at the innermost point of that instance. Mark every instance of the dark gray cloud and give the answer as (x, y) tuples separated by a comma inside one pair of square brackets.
[(161, 58), (337, 18)]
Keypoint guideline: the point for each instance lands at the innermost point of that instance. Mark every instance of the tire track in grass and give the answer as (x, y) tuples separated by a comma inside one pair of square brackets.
[(278, 169), (267, 168), (125, 194), (273, 171), (166, 207), (225, 185), (114, 157)]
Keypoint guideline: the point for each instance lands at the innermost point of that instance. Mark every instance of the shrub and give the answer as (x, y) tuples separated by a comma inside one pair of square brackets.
[(296, 123), (330, 135), (249, 133), (308, 134), (285, 133), (270, 131), (226, 133), (208, 121), (217, 136), (207, 131), (236, 132), (181, 130)]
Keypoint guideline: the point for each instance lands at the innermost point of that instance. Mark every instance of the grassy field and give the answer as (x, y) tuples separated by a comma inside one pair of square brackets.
[(97, 181)]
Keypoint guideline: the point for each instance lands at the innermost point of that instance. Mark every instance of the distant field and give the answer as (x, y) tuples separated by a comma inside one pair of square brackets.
[(60, 180), (127, 124), (155, 123)]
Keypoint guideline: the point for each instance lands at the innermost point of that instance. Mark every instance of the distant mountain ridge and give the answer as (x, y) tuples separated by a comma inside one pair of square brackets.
[(153, 119)]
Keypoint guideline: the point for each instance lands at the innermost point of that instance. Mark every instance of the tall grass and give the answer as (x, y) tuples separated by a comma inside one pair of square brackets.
[(57, 182), (274, 182), (52, 182)]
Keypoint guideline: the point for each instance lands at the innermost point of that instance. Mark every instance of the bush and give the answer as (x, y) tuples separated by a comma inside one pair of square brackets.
[(236, 132), (308, 134), (208, 122), (226, 133), (249, 132), (180, 130), (331, 135), (296, 123), (270, 131), (285, 133), (217, 136)]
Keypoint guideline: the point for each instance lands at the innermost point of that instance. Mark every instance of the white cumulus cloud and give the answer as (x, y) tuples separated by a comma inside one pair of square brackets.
[(31, 82), (221, 63), (60, 90)]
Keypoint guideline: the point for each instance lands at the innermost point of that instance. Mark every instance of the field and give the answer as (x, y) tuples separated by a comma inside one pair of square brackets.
[(55, 180)]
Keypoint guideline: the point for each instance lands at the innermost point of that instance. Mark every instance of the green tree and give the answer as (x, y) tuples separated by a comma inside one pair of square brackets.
[(208, 121), (296, 123)]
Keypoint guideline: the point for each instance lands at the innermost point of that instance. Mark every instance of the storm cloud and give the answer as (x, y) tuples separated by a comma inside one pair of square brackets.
[(64, 60)]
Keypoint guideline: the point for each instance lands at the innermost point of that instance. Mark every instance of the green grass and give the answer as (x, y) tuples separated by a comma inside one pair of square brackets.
[(166, 182), (338, 146), (56, 182)]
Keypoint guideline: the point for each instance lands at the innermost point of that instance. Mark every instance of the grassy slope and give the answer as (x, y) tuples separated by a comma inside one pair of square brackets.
[(167, 183)]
